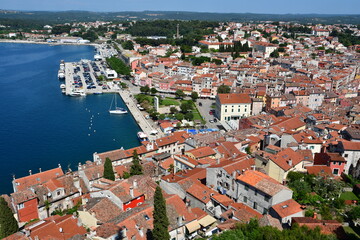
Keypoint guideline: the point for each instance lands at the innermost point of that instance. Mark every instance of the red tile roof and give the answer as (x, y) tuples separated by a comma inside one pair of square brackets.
[(57, 227), (262, 182), (287, 208), (234, 98), (26, 182)]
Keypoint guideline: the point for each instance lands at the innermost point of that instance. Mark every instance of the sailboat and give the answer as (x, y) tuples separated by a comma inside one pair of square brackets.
[(117, 110)]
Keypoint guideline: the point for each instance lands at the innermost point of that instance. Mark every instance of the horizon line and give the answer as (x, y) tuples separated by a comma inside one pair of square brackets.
[(185, 11)]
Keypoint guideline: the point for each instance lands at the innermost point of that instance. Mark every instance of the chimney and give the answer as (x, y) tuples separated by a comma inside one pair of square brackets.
[(217, 160), (135, 184), (141, 232), (131, 192), (123, 233), (30, 172), (180, 221), (290, 163), (234, 174)]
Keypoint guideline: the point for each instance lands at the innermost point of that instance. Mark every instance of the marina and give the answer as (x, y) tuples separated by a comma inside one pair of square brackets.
[(86, 77), (57, 126)]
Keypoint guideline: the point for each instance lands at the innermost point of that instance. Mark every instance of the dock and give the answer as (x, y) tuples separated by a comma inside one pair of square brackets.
[(143, 123)]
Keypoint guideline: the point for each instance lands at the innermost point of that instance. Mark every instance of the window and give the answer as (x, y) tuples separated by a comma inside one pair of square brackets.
[(255, 205), (336, 171), (256, 192), (58, 193), (346, 155), (245, 199), (21, 206), (247, 187), (266, 198)]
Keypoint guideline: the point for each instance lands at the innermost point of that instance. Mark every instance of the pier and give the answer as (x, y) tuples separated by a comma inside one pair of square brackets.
[(143, 123)]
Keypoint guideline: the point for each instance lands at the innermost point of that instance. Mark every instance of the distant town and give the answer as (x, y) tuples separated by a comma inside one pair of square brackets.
[(246, 127)]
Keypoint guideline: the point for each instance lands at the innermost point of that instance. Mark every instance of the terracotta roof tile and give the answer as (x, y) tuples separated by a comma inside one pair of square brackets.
[(287, 208), (26, 182)]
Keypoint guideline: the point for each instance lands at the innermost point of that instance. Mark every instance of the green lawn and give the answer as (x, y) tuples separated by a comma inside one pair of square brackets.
[(169, 102), (351, 234), (349, 196)]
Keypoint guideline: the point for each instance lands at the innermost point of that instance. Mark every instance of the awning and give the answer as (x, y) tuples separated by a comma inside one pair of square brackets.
[(193, 226), (207, 220)]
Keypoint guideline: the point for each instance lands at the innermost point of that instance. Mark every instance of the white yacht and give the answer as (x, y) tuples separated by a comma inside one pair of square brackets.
[(117, 110), (142, 136)]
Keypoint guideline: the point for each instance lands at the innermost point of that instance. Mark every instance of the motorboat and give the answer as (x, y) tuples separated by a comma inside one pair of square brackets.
[(142, 136), (61, 74), (62, 86)]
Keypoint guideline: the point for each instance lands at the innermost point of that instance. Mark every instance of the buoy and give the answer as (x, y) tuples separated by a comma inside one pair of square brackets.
[(114, 139), (89, 127), (94, 130), (89, 134)]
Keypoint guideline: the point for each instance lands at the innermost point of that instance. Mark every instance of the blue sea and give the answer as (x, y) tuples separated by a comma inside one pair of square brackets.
[(39, 126)]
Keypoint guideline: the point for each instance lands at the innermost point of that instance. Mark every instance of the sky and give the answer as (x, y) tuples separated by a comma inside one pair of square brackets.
[(221, 6)]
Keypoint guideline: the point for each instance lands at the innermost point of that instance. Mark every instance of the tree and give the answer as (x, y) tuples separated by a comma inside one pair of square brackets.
[(126, 175), (185, 107), (145, 89), (189, 116), (179, 93), (223, 89), (179, 116), (274, 54), (47, 207), (354, 213), (136, 168), (162, 116), (108, 170), (173, 110), (8, 224), (153, 91), (161, 221), (129, 45), (194, 96)]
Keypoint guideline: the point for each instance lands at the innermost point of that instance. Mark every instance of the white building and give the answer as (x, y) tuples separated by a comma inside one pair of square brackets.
[(232, 106)]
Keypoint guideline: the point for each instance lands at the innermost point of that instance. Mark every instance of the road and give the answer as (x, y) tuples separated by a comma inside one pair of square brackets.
[(204, 111)]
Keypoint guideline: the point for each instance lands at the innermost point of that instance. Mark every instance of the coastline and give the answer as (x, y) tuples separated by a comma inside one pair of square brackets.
[(46, 43)]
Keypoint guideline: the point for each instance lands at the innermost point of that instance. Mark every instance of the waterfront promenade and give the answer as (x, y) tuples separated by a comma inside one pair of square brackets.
[(143, 123)]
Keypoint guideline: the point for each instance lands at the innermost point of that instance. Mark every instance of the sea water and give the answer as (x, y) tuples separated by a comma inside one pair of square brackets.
[(39, 126)]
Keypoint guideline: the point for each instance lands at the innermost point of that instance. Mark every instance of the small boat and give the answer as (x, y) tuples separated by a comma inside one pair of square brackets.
[(142, 136), (74, 94), (61, 74), (116, 110), (97, 93), (62, 86)]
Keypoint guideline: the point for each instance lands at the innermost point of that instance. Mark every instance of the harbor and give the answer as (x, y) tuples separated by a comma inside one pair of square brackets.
[(85, 77)]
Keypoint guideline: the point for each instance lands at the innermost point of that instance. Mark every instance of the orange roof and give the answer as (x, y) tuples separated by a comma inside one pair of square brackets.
[(50, 228), (234, 98), (202, 152), (262, 182), (25, 182), (287, 208)]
